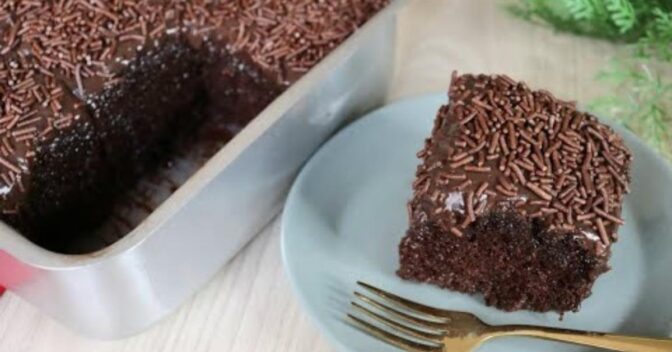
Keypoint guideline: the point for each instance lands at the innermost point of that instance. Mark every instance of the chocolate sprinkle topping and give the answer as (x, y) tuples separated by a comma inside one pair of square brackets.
[(45, 44), (57, 56), (68, 68), (561, 165)]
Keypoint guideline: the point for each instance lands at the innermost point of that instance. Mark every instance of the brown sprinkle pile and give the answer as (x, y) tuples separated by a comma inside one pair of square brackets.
[(500, 143), (53, 53)]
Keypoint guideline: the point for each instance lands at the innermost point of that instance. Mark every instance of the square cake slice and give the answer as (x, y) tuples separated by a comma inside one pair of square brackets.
[(518, 197)]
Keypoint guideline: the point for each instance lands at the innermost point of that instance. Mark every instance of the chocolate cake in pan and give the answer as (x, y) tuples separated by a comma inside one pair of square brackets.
[(518, 197), (96, 93)]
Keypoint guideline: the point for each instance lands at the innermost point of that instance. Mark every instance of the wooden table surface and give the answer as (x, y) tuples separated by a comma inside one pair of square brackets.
[(249, 305)]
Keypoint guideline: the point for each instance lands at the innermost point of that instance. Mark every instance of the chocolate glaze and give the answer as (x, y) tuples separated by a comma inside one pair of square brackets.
[(494, 209)]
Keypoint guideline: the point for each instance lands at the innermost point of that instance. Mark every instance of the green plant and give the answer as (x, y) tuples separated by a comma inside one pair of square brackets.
[(642, 81)]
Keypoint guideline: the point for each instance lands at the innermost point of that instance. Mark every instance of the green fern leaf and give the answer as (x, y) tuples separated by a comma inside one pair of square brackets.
[(581, 9), (622, 13), (641, 98)]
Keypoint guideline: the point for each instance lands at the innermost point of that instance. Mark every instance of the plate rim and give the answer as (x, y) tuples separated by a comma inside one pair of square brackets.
[(305, 171)]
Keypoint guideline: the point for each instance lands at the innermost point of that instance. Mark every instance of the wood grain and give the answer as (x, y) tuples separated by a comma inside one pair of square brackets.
[(249, 305)]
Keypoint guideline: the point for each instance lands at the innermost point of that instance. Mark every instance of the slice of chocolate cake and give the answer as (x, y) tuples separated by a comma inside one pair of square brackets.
[(518, 197), (93, 93)]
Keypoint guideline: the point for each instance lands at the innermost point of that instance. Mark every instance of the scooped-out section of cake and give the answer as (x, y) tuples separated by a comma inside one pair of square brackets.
[(518, 197), (96, 94)]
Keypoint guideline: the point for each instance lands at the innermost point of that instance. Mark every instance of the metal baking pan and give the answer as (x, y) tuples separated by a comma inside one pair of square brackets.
[(124, 288)]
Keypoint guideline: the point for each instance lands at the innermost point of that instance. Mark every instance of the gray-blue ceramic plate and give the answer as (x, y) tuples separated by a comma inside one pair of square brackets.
[(347, 212)]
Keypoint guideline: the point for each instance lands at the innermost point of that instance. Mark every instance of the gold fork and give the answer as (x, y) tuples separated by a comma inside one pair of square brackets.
[(416, 327)]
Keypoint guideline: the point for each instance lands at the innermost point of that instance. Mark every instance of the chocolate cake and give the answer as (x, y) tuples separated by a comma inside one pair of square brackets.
[(94, 92), (518, 197)]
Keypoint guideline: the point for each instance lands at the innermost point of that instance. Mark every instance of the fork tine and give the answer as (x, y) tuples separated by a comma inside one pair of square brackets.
[(401, 315), (390, 338), (406, 302), (404, 329)]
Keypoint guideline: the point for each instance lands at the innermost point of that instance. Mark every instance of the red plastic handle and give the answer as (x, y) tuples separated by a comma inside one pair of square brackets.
[(12, 271)]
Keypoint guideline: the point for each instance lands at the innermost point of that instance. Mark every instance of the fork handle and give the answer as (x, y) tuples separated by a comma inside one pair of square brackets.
[(593, 339)]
